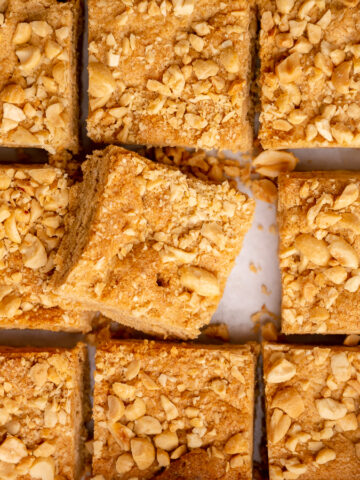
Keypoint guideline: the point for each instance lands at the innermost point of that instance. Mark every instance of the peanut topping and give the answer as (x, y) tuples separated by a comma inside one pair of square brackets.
[(281, 371), (143, 452)]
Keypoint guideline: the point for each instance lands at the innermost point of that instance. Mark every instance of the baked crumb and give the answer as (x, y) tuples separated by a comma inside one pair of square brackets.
[(176, 73), (183, 408), (312, 411), (38, 94), (219, 331), (310, 73)]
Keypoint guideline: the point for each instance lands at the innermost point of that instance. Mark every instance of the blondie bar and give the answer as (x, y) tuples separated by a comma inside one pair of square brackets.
[(310, 73), (183, 408), (171, 73), (34, 201), (149, 246), (312, 412), (42, 413), (38, 87), (319, 223)]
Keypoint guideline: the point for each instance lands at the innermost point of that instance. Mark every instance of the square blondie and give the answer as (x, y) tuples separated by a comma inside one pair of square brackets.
[(166, 410), (38, 87), (319, 224), (34, 201), (312, 412), (42, 408), (310, 73), (173, 73), (149, 246)]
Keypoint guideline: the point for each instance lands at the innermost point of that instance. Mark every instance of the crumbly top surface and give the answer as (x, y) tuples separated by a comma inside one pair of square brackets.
[(310, 74), (319, 220), (38, 395), (154, 402), (170, 241), (33, 204), (171, 72), (37, 62), (312, 398)]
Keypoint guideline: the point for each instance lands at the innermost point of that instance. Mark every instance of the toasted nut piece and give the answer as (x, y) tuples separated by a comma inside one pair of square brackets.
[(116, 408), (135, 410), (9, 306), (285, 6), (29, 57), (143, 452), (121, 434), (314, 33), (325, 455), (124, 392), (341, 77), (43, 468), (33, 252), (101, 81), (313, 249), (147, 425), (352, 284), (204, 69), (124, 463), (347, 424), (41, 28), (344, 253), (12, 450), (290, 401), (279, 425), (13, 113), (230, 60), (171, 412), (132, 370), (167, 440), (59, 73), (148, 382), (201, 281), (281, 371), (11, 229), (348, 197), (178, 452), (330, 409), (336, 275), (271, 163), (236, 444), (43, 176), (13, 93), (340, 367), (46, 449), (289, 70), (352, 340), (38, 374), (162, 457), (265, 190), (52, 49), (22, 33), (21, 136), (193, 440)]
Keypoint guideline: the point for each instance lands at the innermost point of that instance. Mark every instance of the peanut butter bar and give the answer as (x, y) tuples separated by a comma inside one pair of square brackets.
[(150, 247), (167, 411), (38, 88), (310, 73), (42, 413), (33, 203), (312, 412), (319, 222), (171, 73)]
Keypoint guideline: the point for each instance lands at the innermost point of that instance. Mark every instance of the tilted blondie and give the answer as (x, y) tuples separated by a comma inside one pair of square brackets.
[(171, 73), (34, 201), (319, 223), (38, 87), (176, 409), (312, 412), (42, 408), (149, 246), (310, 73)]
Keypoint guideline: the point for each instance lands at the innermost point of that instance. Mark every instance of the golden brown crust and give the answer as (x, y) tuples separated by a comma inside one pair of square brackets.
[(41, 405), (310, 73), (318, 217), (153, 247), (38, 92), (178, 74), (312, 411), (180, 398)]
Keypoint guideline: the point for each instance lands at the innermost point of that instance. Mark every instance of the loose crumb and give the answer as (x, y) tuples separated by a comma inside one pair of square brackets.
[(219, 331), (352, 340)]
